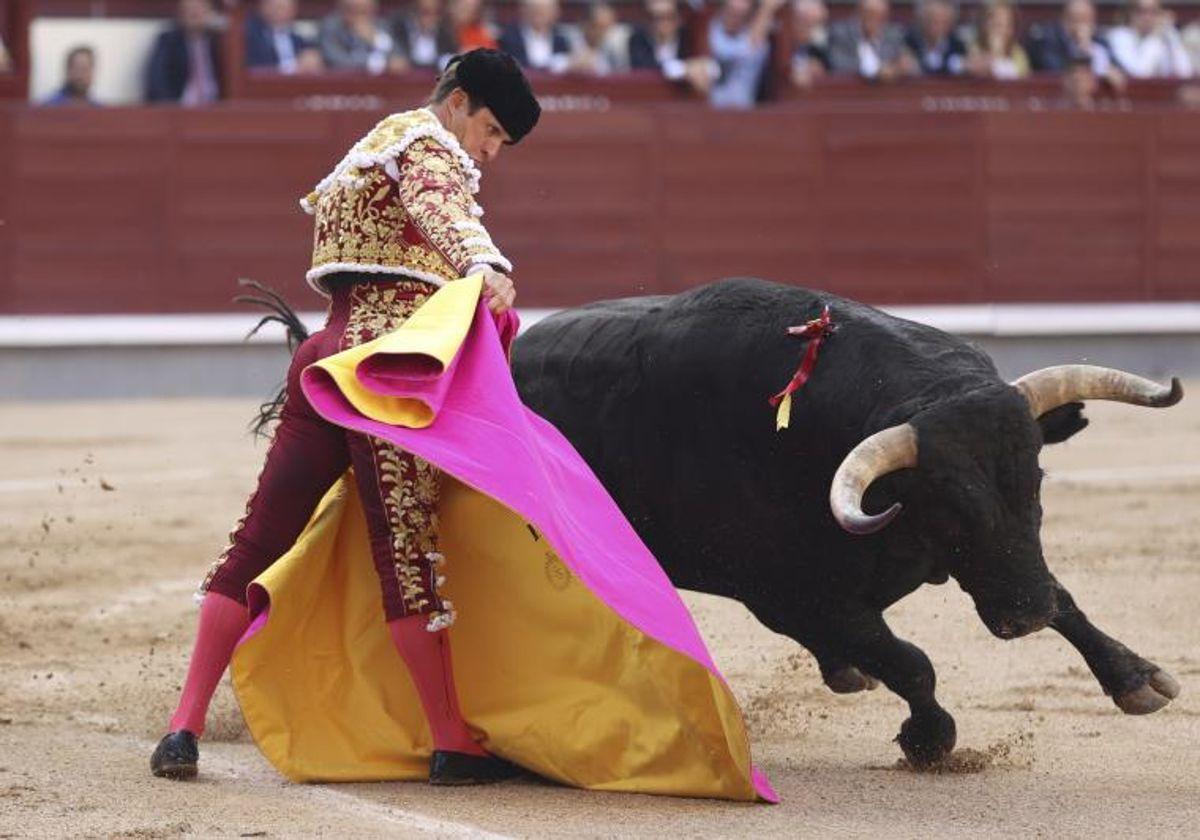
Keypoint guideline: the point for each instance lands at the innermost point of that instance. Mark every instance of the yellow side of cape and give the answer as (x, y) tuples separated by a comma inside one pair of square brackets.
[(548, 675)]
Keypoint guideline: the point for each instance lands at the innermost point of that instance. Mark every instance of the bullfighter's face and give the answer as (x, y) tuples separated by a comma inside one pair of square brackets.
[(979, 503), (477, 130)]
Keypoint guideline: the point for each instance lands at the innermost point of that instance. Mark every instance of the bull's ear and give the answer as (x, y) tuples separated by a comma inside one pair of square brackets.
[(1059, 424)]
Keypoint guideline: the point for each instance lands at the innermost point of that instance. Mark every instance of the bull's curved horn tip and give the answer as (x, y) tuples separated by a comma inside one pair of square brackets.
[(864, 523), (1171, 397)]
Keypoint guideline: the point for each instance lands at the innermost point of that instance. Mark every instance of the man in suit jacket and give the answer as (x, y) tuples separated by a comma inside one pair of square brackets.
[(868, 45), (185, 63), (1059, 46), (538, 41), (425, 34), (933, 42), (271, 39)]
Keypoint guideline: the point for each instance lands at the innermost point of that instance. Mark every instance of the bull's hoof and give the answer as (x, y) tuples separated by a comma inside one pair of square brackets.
[(1159, 690), (928, 738), (849, 680)]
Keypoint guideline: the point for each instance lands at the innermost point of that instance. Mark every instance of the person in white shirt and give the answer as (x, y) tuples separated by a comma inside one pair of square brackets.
[(1150, 46), (538, 42)]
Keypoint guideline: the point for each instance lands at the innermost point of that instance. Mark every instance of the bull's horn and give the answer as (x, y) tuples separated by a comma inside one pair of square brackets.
[(892, 449), (1048, 388)]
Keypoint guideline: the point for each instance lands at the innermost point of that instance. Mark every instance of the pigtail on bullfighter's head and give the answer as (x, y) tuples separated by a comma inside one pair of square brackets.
[(294, 329)]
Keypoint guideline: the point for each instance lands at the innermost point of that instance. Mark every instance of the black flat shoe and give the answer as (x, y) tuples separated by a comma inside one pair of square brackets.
[(455, 768), (176, 756)]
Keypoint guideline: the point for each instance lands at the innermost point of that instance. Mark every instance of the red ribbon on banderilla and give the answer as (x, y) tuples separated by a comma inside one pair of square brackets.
[(815, 331)]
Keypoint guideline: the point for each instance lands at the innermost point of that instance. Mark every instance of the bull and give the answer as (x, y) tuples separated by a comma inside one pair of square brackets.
[(665, 398)]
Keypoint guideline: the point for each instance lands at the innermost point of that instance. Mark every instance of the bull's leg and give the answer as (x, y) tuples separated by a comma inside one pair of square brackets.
[(797, 624), (870, 646), (1136, 685)]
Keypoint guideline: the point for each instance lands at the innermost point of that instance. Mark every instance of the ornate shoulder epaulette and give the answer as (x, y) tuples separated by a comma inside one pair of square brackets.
[(386, 142)]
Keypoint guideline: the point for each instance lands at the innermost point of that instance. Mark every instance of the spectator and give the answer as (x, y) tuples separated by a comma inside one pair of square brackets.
[(353, 38), (80, 70), (1080, 84), (666, 46), (538, 41), (933, 42), (1074, 36), (471, 29), (1150, 46), (425, 34), (1191, 42), (869, 45), (995, 52), (605, 42), (272, 40), (738, 42), (5, 61), (185, 60), (810, 58)]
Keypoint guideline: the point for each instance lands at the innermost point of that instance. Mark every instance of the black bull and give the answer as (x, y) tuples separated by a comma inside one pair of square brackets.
[(666, 399)]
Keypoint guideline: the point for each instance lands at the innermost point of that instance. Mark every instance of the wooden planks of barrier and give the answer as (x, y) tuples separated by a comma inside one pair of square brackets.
[(160, 210)]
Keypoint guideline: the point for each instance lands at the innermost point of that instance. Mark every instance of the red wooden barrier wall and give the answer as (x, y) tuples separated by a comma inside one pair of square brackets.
[(143, 210)]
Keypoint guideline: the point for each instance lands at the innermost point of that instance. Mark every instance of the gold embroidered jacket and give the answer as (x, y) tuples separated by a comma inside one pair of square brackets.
[(401, 202)]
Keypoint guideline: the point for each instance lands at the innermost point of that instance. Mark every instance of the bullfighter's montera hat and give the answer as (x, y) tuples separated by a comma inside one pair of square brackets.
[(494, 79)]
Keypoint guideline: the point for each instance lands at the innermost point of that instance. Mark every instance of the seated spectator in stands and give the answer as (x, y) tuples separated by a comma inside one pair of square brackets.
[(472, 30), (185, 63), (604, 47), (869, 45), (1080, 83), (538, 41), (1150, 47), (810, 58), (5, 61), (425, 34), (77, 89), (1055, 47), (353, 38), (272, 40), (932, 39), (738, 40), (1190, 35), (995, 53), (666, 46)]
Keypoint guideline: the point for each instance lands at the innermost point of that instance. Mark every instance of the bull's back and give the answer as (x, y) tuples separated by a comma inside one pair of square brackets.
[(666, 399)]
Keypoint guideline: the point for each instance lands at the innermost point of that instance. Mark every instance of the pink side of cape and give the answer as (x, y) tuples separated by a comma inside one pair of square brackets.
[(485, 437)]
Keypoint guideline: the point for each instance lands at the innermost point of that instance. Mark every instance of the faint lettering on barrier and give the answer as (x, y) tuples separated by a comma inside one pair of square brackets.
[(575, 103), (965, 103), (339, 103)]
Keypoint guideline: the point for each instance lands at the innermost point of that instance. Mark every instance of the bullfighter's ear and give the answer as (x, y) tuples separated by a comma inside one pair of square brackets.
[(1059, 424)]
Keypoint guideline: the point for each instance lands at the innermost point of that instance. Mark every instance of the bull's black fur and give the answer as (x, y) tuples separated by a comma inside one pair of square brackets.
[(666, 398)]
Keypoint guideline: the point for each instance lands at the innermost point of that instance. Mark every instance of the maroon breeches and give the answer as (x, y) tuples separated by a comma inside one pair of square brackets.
[(308, 454)]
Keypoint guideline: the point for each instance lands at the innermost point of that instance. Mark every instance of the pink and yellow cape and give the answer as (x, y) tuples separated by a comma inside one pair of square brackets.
[(573, 654)]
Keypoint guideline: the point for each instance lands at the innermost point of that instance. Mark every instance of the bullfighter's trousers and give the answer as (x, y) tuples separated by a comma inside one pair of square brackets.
[(399, 491)]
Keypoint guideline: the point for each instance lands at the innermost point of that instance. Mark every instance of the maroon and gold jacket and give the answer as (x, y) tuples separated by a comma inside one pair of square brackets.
[(401, 202)]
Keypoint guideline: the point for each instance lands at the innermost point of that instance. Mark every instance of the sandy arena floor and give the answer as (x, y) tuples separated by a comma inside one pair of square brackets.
[(111, 512)]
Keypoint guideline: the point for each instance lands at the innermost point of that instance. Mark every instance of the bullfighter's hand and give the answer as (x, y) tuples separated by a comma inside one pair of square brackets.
[(498, 291)]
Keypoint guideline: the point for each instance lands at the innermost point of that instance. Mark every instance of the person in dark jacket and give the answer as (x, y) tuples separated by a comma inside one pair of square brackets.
[(272, 40), (185, 64), (538, 41), (425, 34), (933, 42)]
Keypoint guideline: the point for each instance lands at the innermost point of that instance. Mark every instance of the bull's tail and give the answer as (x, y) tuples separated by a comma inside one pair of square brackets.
[(280, 313)]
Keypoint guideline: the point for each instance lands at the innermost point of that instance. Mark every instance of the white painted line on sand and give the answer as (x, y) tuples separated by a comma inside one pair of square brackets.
[(213, 762)]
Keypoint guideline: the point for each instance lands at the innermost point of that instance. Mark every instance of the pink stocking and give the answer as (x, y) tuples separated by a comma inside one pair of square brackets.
[(222, 623), (427, 656)]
